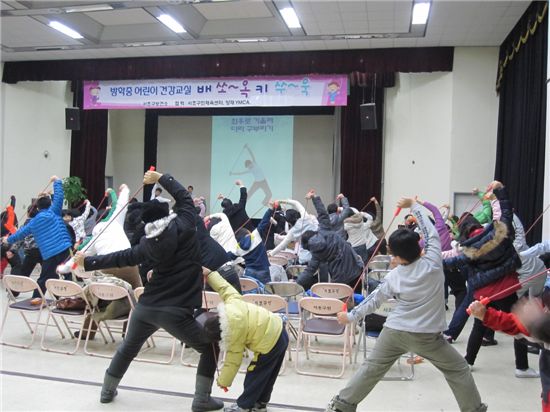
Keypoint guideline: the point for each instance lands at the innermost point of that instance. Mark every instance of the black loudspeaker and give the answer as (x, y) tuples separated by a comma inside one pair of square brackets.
[(368, 116), (72, 118)]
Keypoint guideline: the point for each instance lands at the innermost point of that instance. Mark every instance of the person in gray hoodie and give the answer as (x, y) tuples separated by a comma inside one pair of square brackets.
[(416, 323)]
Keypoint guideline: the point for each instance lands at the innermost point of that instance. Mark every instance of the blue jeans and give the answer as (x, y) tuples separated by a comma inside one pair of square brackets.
[(460, 317), (262, 276)]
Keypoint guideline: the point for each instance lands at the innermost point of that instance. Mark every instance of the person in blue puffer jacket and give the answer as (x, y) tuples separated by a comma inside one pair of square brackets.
[(50, 233)]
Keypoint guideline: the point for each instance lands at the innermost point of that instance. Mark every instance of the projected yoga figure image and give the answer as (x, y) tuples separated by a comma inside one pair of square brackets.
[(260, 181)]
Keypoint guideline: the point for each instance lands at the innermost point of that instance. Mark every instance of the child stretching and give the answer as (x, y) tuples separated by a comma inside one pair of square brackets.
[(527, 320), (239, 326), (415, 325)]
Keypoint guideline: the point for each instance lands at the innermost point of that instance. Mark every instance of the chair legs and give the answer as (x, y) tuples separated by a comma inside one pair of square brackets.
[(33, 330)]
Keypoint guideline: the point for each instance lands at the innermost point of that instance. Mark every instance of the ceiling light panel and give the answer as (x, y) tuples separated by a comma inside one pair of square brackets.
[(28, 32), (421, 11), (66, 30), (171, 23), (290, 17), (84, 9)]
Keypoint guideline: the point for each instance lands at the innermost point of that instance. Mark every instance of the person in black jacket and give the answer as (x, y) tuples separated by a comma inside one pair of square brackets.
[(172, 294), (236, 212), (328, 247)]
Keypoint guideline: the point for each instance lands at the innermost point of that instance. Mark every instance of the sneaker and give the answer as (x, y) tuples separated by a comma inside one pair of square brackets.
[(235, 408), (260, 407), (489, 342), (527, 373)]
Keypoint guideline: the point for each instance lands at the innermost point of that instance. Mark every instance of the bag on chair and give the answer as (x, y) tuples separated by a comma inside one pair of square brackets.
[(71, 304)]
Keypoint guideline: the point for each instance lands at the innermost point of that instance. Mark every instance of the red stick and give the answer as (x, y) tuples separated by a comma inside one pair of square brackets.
[(538, 218), (486, 301)]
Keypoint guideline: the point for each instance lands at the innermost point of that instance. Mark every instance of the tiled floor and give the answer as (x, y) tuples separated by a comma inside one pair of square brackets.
[(36, 380)]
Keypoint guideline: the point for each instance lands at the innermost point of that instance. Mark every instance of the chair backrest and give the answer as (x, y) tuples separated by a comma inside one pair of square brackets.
[(64, 288), (138, 292), (332, 290), (81, 273), (278, 260), (380, 262), (287, 255), (284, 289), (277, 273), (20, 284), (321, 306), (378, 274), (294, 270), (248, 284), (108, 291), (210, 300), (273, 303), (386, 307)]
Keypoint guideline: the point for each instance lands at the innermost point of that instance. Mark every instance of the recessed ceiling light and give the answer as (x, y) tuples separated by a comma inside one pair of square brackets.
[(290, 17), (65, 30), (85, 9), (249, 40), (421, 12), (171, 23)]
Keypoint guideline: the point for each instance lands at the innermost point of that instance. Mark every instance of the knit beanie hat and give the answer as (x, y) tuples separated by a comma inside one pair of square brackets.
[(154, 210)]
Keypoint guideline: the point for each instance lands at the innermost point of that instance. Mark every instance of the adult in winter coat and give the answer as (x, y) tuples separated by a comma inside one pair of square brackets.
[(50, 233), (326, 246), (172, 294), (489, 262)]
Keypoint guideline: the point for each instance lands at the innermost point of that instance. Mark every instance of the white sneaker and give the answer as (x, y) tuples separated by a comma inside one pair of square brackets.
[(527, 373)]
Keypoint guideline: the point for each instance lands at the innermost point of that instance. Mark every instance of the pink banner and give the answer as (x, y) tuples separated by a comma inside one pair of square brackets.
[(325, 90)]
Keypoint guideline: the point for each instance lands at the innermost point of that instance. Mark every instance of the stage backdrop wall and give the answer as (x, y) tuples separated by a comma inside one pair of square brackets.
[(185, 148)]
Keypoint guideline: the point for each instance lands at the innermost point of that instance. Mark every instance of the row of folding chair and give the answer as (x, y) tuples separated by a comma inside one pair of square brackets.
[(61, 289), (316, 316)]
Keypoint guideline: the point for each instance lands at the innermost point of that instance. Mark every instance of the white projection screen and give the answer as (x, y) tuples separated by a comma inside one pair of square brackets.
[(281, 156)]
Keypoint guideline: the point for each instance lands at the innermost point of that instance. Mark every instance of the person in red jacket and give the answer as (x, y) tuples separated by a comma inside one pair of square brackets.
[(8, 227), (529, 319)]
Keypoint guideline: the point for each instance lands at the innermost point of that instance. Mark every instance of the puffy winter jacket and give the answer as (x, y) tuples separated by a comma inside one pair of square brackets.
[(48, 227), (490, 256), (243, 326), (170, 245)]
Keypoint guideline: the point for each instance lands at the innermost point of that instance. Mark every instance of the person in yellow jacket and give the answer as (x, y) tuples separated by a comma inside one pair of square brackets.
[(241, 325)]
